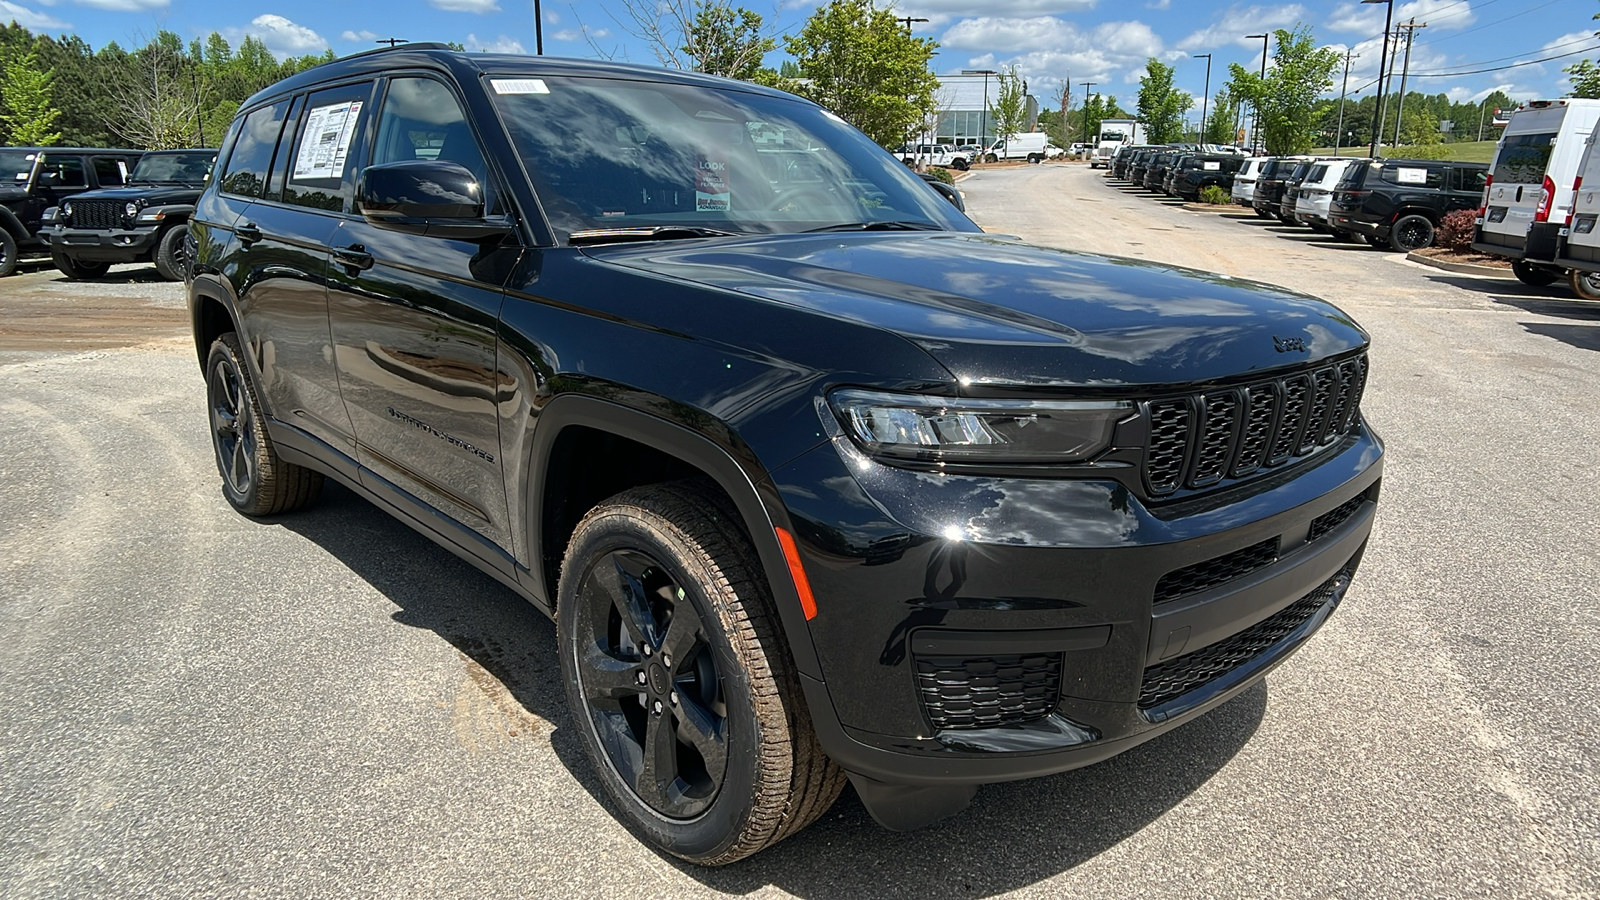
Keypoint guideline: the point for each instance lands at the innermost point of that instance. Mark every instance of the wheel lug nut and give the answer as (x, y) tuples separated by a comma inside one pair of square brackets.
[(646, 649), (639, 676), (666, 659), (673, 698), (656, 708)]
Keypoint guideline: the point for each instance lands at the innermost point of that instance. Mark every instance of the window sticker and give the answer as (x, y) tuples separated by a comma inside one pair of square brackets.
[(711, 192), (329, 130), (1411, 176), (519, 86), (1213, 166), (122, 166)]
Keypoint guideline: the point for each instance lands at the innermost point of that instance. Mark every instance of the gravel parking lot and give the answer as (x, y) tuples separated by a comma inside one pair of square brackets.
[(197, 704)]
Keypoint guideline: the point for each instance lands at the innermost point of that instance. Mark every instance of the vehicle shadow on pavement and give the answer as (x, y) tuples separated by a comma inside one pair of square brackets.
[(1012, 836), (1515, 291)]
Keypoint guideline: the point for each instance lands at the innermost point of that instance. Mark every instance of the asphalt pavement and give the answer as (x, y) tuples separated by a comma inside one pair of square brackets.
[(197, 704)]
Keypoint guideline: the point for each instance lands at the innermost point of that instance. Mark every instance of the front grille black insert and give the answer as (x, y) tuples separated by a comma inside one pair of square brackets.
[(1166, 681), (96, 214), (1200, 440), (1203, 576), (1335, 517), (988, 691)]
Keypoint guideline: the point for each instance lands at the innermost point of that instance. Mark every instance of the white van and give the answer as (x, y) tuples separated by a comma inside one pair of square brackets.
[(1316, 194), (1579, 249), (1529, 196), (1244, 183), (1029, 146)]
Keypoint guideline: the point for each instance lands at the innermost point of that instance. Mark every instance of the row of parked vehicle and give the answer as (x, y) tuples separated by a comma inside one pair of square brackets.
[(91, 207), (1526, 210), (1033, 147)]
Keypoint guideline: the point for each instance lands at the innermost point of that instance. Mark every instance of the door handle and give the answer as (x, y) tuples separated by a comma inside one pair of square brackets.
[(248, 233), (354, 256)]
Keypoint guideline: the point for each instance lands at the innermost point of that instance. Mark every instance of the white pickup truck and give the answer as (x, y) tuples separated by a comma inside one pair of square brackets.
[(935, 155)]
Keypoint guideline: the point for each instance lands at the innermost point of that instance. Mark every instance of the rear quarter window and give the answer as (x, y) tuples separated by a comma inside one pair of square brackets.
[(1523, 158), (246, 171)]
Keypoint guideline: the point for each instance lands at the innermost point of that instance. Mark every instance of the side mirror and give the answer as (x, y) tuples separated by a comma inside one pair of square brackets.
[(947, 191), (425, 196)]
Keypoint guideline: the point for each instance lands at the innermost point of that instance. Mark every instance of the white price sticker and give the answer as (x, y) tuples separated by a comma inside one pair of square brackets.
[(1411, 176), (1213, 166), (326, 143), (519, 86)]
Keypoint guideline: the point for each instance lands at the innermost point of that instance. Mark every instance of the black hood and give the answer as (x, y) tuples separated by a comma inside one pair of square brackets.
[(993, 310), (148, 194)]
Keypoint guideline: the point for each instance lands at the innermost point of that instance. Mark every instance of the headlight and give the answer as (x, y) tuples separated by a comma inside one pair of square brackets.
[(132, 209), (941, 429), (66, 210)]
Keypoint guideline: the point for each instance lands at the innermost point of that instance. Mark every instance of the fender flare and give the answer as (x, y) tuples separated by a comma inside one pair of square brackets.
[(747, 485), (13, 225)]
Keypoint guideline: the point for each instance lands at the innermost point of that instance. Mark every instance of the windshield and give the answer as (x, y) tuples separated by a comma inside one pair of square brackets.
[(16, 165), (609, 154), (173, 167)]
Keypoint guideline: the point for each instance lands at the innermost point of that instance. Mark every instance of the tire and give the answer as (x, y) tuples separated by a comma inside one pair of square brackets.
[(960, 165), (1532, 275), (1035, 159), (1263, 214), (1374, 241), (8, 253), (1412, 232), (171, 258), (990, 157), (1585, 285), (1287, 220), (638, 564), (78, 270), (1342, 236), (254, 479)]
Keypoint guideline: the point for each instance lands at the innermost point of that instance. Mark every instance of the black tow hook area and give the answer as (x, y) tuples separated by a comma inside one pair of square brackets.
[(901, 807)]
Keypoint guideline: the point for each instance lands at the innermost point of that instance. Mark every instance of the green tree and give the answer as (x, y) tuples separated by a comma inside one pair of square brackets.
[(1161, 107), (1585, 77), (726, 41), (860, 63), (1097, 109), (1220, 119), (1419, 126), (1287, 96), (29, 117), (1008, 114)]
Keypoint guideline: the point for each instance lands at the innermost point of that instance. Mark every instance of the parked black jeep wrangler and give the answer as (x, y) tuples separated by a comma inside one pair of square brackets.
[(145, 221), (817, 479), (1396, 204), (34, 179)]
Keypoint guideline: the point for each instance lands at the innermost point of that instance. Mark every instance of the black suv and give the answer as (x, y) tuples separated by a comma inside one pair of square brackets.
[(1207, 170), (1270, 185), (145, 221), (34, 179), (817, 479), (1397, 203)]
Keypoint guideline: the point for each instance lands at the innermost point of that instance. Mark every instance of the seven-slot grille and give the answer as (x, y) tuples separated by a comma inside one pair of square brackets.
[(96, 214), (1199, 440)]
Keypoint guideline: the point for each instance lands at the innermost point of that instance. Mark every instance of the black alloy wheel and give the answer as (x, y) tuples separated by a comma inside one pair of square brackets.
[(679, 677), (254, 479), (172, 253), (1412, 232), (650, 683), (8, 253), (1532, 275), (1585, 285)]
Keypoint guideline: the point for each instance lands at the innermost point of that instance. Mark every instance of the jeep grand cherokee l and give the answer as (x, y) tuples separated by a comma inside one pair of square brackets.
[(818, 480)]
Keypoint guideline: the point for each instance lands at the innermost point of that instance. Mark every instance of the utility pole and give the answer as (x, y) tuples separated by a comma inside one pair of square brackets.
[(391, 41), (1400, 112), (1482, 105), (908, 20), (1086, 86), (1204, 98), (1377, 109), (1342, 88)]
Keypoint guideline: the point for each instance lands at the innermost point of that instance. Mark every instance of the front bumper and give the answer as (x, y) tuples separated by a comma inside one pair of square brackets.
[(946, 603), (102, 245)]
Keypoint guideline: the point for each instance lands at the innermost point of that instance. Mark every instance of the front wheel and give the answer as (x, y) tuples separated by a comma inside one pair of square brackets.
[(1586, 285), (77, 269), (8, 253), (1532, 275), (1411, 233), (960, 165), (678, 676), (254, 479), (171, 256)]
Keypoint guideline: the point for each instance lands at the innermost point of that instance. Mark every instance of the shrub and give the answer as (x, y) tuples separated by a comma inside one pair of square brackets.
[(942, 174), (1455, 230), (1215, 195)]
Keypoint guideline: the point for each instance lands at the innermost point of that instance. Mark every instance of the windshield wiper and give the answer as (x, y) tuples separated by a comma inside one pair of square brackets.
[(651, 233), (878, 226)]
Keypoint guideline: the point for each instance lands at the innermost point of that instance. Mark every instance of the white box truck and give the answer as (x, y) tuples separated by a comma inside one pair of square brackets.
[(1528, 199), (1115, 133)]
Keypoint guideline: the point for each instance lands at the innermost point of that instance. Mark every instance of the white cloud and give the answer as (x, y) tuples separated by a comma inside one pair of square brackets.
[(27, 18), (941, 12), (1158, 4), (1237, 21), (572, 35), (281, 36), (116, 5), (360, 37), (1048, 51), (472, 6), (1367, 18), (501, 44)]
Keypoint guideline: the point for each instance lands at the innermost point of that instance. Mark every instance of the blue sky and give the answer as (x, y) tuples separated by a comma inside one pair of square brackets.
[(1104, 41)]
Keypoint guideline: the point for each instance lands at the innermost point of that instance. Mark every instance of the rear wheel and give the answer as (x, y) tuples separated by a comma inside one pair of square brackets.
[(1035, 159), (678, 676), (1532, 275), (1411, 233), (78, 270), (1586, 285), (255, 481), (8, 253), (960, 165)]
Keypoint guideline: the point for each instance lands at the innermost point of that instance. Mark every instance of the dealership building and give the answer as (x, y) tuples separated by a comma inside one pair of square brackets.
[(963, 116)]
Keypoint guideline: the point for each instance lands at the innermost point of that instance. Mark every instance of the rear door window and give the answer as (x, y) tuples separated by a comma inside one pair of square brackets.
[(68, 170), (1523, 158), (246, 172)]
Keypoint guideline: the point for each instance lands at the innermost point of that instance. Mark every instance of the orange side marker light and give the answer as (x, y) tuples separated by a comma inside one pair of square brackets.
[(802, 584)]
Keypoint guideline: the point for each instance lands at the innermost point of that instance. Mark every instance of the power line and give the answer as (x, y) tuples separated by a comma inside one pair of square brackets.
[(1515, 65), (1496, 22)]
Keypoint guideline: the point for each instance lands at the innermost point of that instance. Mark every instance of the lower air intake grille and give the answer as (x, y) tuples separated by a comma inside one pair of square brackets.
[(1335, 517), (1203, 576), (1169, 680), (983, 692)]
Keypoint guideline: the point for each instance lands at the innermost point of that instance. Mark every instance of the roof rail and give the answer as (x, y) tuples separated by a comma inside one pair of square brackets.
[(419, 45)]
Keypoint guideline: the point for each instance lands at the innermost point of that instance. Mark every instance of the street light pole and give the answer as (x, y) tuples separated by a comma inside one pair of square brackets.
[(1086, 86), (1204, 98), (1255, 133), (1377, 108), (983, 127), (538, 29)]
